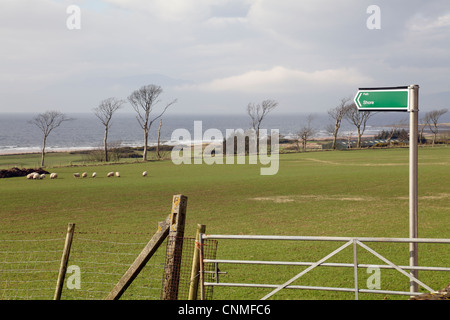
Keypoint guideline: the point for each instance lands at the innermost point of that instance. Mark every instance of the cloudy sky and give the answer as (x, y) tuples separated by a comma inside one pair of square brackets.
[(216, 56)]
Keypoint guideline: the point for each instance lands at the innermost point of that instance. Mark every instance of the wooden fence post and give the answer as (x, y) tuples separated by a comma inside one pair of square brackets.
[(193, 287), (64, 261), (202, 268), (174, 248), (164, 228)]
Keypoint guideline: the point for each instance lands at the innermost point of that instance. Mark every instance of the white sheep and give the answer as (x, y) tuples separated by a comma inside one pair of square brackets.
[(84, 175), (76, 175), (30, 176), (110, 174), (42, 176), (53, 175), (144, 174), (94, 174), (118, 174), (35, 175)]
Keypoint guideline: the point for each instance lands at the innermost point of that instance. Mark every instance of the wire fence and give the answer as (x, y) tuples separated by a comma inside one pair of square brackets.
[(29, 267), (102, 260), (185, 263)]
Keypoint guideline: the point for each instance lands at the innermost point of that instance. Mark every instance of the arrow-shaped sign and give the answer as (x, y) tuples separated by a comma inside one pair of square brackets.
[(382, 99)]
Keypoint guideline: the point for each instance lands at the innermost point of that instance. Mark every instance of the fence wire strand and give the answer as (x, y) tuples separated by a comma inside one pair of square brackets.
[(184, 259), (29, 266)]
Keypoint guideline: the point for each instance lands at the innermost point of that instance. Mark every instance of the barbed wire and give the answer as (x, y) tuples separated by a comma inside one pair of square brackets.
[(76, 232)]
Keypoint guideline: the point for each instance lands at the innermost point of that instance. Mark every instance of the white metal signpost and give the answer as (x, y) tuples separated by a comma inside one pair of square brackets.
[(404, 98)]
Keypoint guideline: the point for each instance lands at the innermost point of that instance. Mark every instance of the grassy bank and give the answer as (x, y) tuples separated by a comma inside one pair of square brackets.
[(333, 193)]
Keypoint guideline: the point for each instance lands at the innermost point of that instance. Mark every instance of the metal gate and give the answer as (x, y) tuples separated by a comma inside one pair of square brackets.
[(348, 241)]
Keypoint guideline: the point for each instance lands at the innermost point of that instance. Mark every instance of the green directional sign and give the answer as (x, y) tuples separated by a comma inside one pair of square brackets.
[(382, 99)]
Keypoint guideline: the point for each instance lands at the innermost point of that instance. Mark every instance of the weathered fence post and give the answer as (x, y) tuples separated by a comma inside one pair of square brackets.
[(193, 287), (64, 261), (152, 246), (202, 267), (174, 248)]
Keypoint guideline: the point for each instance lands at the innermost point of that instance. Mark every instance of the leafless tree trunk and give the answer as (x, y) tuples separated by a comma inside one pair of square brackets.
[(432, 119), (158, 156), (104, 112), (359, 119), (337, 114), (396, 129), (143, 102), (257, 114), (46, 122), (422, 129), (306, 132)]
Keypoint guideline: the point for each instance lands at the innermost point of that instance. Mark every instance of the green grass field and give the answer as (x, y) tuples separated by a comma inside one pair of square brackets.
[(359, 193)]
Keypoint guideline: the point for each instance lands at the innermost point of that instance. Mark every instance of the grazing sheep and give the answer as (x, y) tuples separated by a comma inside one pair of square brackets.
[(76, 175), (35, 176), (110, 174), (118, 174), (42, 176), (53, 175), (144, 174), (30, 176), (84, 175), (94, 174)]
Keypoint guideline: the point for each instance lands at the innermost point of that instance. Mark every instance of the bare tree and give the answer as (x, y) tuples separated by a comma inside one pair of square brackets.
[(337, 114), (397, 130), (306, 132), (143, 102), (422, 127), (47, 122), (158, 155), (432, 119), (104, 112), (359, 119), (257, 114)]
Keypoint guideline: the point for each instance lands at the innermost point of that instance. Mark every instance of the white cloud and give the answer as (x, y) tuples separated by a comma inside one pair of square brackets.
[(422, 24), (172, 10), (283, 80), (223, 22)]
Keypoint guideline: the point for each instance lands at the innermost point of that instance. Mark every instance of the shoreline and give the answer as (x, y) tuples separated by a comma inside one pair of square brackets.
[(37, 151), (25, 151)]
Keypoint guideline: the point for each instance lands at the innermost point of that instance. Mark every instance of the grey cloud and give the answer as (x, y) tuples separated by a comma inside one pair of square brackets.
[(125, 42)]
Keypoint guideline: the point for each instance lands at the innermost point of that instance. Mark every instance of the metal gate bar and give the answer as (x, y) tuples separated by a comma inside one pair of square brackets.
[(256, 285), (325, 264), (393, 265), (307, 270), (310, 238), (321, 262)]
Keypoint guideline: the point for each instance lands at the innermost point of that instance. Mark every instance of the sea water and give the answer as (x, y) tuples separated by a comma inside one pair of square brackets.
[(85, 131)]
